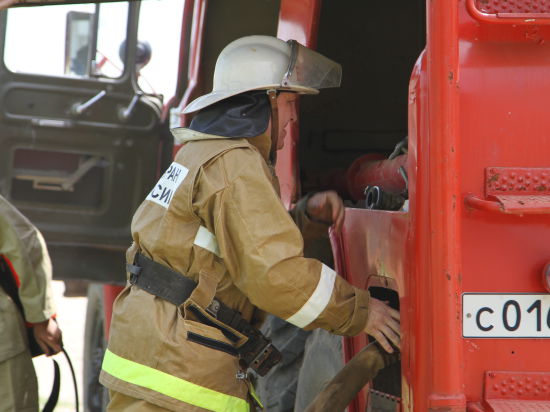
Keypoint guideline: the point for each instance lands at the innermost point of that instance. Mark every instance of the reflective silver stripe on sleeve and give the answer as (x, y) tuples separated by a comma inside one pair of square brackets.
[(318, 300), (207, 241)]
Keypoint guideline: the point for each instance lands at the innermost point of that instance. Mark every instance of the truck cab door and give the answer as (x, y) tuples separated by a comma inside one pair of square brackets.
[(80, 143)]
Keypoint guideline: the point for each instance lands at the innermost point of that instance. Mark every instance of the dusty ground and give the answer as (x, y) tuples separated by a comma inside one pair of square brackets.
[(71, 314)]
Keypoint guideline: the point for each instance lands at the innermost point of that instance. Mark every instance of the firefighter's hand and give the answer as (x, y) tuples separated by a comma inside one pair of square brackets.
[(48, 336), (327, 207), (383, 324)]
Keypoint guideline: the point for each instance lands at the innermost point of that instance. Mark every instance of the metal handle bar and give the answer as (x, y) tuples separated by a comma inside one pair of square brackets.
[(475, 202), (125, 113), (80, 108)]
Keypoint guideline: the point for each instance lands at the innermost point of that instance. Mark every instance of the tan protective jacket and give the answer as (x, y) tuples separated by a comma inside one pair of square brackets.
[(215, 216), (23, 246)]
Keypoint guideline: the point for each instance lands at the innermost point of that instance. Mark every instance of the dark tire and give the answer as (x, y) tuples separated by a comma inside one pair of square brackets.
[(96, 395)]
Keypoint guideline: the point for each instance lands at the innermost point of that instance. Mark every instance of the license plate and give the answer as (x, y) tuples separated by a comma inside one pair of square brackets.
[(492, 315)]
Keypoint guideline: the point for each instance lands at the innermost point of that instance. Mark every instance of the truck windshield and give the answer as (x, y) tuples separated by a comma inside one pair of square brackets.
[(88, 41), (62, 40), (160, 25)]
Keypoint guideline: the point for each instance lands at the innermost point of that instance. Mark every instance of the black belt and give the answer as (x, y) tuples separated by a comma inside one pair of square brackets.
[(257, 352)]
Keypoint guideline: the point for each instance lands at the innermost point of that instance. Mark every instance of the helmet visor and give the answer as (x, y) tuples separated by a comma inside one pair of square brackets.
[(310, 69)]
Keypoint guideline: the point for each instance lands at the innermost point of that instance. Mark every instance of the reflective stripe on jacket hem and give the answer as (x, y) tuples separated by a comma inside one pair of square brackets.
[(171, 386), (318, 300)]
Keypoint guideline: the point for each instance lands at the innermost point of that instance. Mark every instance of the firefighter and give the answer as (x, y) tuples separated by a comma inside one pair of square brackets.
[(25, 260), (214, 248)]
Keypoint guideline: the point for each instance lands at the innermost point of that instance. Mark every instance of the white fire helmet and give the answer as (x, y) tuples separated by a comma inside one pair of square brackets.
[(268, 63)]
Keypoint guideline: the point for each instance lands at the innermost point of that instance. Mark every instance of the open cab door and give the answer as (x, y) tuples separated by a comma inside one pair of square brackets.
[(81, 142)]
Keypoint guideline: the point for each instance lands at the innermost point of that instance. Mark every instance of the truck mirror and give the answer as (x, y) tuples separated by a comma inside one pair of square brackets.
[(78, 43), (143, 53)]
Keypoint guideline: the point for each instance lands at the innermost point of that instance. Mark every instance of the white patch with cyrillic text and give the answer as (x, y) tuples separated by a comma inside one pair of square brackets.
[(164, 190)]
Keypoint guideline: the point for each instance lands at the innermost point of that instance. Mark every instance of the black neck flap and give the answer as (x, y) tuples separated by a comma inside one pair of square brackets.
[(244, 115)]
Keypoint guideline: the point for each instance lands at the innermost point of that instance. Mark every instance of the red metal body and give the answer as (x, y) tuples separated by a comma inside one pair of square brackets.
[(477, 100), (110, 292), (368, 172), (366, 259), (503, 65), (371, 169)]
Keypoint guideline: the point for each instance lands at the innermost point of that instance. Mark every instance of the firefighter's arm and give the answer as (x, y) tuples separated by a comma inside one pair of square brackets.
[(262, 249), (314, 213), (326, 207), (383, 321), (23, 245), (48, 336)]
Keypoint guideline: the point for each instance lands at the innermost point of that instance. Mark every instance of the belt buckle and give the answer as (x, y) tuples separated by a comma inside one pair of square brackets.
[(213, 308), (134, 273), (262, 355), (267, 357)]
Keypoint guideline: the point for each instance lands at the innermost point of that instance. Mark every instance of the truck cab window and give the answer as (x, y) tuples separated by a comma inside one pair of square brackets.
[(79, 40), (159, 75)]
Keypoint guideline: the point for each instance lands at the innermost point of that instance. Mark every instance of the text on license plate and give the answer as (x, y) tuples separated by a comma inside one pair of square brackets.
[(494, 315)]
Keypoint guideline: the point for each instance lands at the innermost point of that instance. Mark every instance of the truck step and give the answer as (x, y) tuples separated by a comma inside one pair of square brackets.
[(517, 391), (501, 405)]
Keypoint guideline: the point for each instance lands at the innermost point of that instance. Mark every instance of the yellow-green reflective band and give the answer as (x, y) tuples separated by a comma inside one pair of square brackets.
[(171, 386), (254, 395)]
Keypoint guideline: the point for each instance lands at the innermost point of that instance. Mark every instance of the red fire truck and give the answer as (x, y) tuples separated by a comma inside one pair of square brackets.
[(448, 227)]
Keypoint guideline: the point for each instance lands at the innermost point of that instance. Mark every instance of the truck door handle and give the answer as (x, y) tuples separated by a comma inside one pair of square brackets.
[(514, 191), (511, 204), (80, 108), (125, 113)]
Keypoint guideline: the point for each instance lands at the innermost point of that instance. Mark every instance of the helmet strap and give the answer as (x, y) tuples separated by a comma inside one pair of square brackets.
[(272, 95)]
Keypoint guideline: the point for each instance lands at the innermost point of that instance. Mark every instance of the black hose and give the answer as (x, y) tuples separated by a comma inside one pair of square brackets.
[(74, 380), (54, 394)]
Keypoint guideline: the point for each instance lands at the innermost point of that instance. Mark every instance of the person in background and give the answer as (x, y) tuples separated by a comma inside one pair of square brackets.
[(25, 302)]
